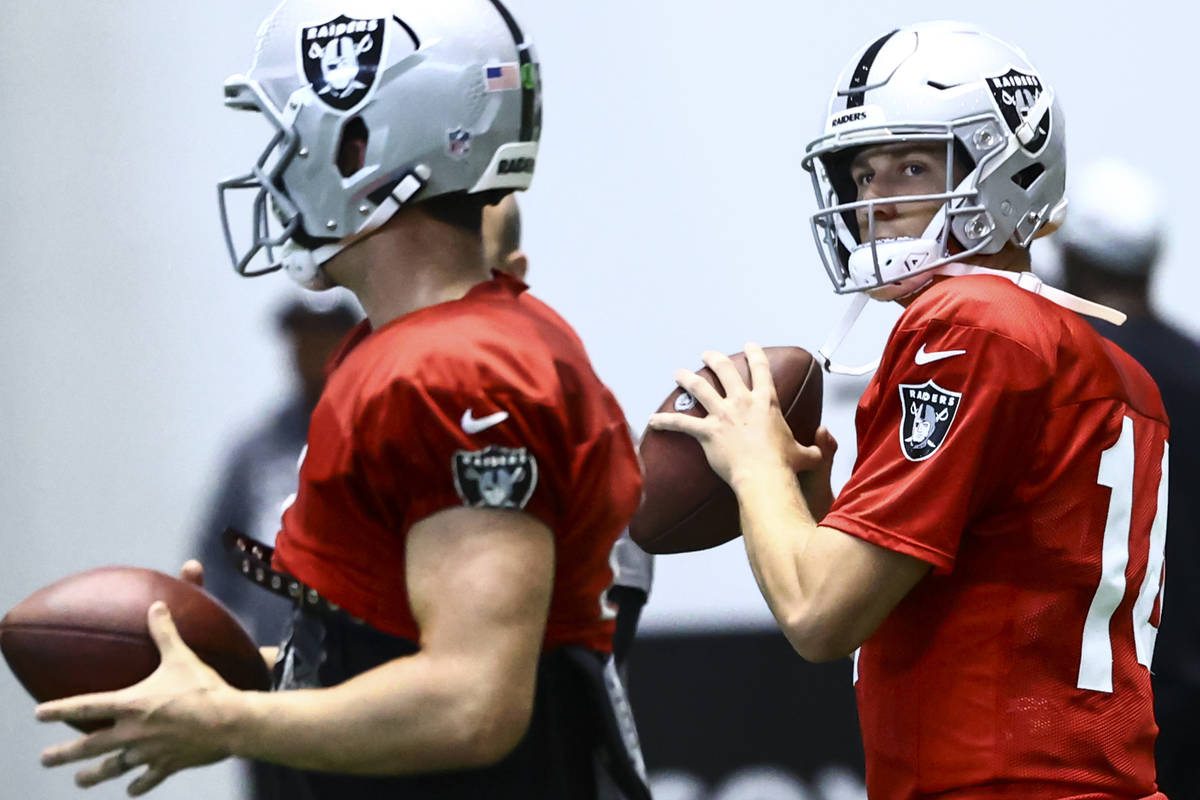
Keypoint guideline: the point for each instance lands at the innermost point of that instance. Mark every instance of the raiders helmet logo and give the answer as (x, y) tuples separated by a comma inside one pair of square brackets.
[(928, 412), (495, 477), (1015, 93), (341, 58)]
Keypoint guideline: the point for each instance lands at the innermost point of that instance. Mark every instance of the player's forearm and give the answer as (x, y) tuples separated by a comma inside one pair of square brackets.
[(777, 527), (410, 715)]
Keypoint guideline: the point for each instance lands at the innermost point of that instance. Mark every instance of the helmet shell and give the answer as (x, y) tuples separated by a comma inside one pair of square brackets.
[(943, 82)]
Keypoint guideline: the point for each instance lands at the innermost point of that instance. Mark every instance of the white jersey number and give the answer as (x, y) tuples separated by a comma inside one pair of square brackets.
[(1096, 655)]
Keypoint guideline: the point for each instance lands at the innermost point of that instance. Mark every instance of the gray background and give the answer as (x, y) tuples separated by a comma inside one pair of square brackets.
[(668, 216)]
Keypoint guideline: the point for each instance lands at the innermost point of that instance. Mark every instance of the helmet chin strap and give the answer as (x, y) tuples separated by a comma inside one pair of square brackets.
[(838, 335), (304, 266), (914, 253), (1025, 280), (1032, 283)]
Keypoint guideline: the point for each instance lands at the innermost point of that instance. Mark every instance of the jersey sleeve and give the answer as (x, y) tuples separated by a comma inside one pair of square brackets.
[(465, 442), (948, 425)]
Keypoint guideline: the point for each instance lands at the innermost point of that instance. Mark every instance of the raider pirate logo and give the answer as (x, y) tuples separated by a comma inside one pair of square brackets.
[(495, 477), (341, 58), (1016, 93), (928, 414)]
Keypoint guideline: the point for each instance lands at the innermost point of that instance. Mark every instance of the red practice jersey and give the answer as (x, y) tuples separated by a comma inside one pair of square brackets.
[(488, 401), (1024, 457)]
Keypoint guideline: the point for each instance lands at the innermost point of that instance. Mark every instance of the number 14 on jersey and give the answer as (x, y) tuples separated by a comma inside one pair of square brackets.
[(1096, 654)]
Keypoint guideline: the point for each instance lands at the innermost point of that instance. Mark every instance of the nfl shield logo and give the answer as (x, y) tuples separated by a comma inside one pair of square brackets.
[(928, 412), (459, 143), (495, 477), (1015, 93), (341, 58)]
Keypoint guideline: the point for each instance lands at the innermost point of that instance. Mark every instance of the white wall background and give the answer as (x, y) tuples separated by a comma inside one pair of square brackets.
[(668, 217)]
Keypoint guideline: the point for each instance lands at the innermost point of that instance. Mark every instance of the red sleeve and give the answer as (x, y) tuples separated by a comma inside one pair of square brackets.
[(947, 425), (464, 443)]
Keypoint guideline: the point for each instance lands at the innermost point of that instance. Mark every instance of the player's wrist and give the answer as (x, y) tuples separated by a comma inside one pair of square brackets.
[(757, 477), (231, 725)]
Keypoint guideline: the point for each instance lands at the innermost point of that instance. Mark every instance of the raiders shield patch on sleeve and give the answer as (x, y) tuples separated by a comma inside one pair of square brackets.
[(495, 477), (928, 412)]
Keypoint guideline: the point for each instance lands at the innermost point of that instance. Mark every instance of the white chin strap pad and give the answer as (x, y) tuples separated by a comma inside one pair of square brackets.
[(896, 258), (304, 266)]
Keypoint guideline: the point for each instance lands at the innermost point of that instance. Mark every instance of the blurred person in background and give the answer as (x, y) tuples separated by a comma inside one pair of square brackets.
[(1110, 246), (261, 474), (633, 567)]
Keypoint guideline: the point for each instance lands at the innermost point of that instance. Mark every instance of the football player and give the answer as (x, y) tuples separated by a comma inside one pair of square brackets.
[(995, 559), (633, 567), (466, 475)]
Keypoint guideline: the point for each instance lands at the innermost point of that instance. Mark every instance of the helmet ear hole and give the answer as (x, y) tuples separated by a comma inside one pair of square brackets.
[(352, 149), (1027, 176)]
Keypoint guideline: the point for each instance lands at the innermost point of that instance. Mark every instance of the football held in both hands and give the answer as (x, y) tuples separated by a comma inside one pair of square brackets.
[(686, 506)]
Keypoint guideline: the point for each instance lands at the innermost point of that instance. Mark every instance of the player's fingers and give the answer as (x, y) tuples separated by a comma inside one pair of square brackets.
[(162, 629), (760, 370), (149, 779), (192, 572), (82, 708), (697, 387), (824, 440), (725, 371), (680, 423), (84, 747), (112, 767), (807, 458)]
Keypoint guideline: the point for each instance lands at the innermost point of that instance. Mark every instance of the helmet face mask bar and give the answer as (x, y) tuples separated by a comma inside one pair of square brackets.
[(958, 230), (283, 146)]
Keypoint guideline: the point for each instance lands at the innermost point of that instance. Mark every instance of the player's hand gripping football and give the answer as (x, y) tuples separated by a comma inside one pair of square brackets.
[(193, 572), (164, 723), (745, 434)]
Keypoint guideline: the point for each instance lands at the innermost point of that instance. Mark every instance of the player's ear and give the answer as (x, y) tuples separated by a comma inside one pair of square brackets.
[(517, 264)]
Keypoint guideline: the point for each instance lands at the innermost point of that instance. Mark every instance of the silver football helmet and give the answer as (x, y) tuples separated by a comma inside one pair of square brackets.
[(945, 82), (441, 96)]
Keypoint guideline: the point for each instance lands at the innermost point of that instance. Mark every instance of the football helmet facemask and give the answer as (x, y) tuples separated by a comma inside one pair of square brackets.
[(442, 96), (948, 83)]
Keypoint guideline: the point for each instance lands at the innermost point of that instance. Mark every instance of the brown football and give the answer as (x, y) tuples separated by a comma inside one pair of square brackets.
[(88, 633), (686, 506)]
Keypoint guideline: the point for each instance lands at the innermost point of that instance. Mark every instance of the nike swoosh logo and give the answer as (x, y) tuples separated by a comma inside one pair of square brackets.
[(922, 358), (472, 425)]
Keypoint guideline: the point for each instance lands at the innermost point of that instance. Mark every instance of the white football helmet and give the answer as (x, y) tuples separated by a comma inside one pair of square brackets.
[(445, 93), (943, 82)]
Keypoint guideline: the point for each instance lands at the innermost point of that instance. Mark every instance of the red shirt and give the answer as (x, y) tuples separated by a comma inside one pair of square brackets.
[(485, 401), (1010, 446)]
